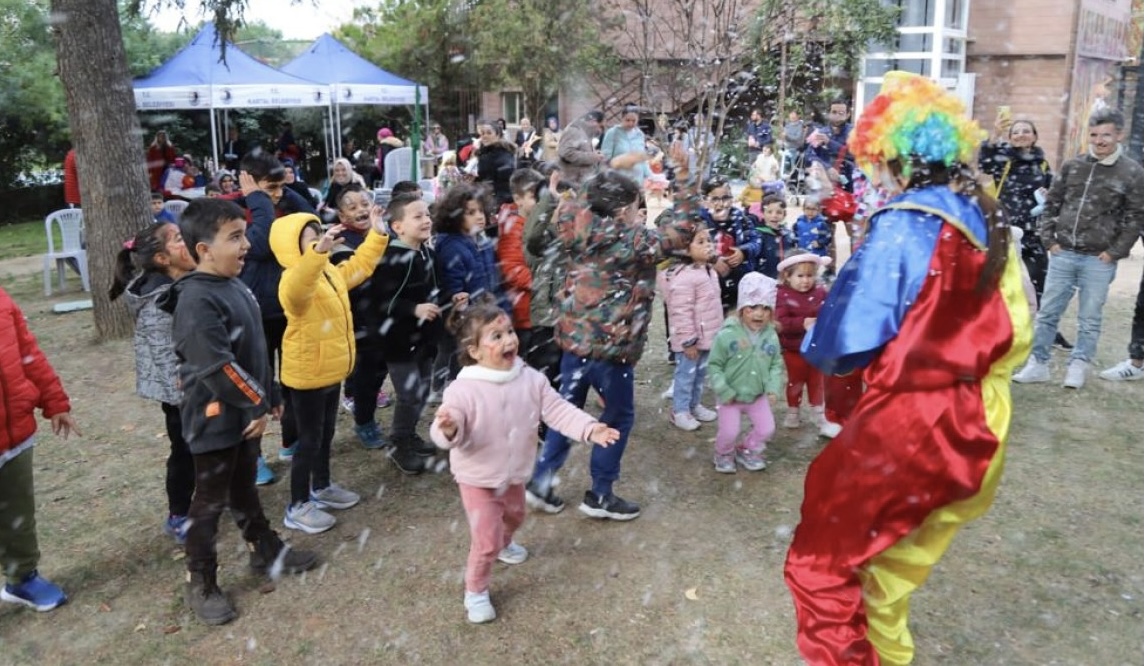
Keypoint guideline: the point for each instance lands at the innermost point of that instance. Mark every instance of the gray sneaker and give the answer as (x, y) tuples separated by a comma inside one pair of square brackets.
[(513, 553), (725, 464), (308, 518), (1034, 372), (1075, 374), (334, 496)]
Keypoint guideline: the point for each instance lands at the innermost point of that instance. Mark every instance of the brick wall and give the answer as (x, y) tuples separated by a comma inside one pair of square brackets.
[(1034, 87)]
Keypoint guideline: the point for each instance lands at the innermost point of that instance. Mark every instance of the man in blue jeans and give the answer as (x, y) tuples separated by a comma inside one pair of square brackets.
[(1093, 215), (602, 326)]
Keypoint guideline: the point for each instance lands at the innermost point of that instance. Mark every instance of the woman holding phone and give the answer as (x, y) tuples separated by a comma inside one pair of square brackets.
[(1021, 178)]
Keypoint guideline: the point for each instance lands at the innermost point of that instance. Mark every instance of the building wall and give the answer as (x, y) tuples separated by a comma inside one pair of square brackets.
[(1053, 61), (1021, 53)]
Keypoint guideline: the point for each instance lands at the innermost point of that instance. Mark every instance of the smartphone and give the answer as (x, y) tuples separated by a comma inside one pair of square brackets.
[(1004, 115)]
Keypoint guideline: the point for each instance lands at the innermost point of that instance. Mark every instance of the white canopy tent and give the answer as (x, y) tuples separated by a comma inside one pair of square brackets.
[(354, 80), (196, 78)]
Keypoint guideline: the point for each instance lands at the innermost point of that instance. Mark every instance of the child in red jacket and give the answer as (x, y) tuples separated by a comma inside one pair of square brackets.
[(27, 381), (524, 184), (799, 298)]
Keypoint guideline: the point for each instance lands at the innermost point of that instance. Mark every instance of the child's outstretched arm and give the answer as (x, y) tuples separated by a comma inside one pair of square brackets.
[(565, 418), (299, 282), (716, 365), (261, 217), (53, 400), (776, 378), (361, 264), (450, 426)]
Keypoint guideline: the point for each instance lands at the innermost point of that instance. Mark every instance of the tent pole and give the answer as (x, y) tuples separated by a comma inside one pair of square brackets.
[(214, 137), (338, 124)]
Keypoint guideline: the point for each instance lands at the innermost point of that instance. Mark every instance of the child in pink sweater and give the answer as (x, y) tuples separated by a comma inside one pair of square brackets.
[(488, 420), (690, 289)]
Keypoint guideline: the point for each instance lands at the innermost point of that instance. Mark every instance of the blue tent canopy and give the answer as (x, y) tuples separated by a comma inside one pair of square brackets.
[(352, 78), (195, 78)]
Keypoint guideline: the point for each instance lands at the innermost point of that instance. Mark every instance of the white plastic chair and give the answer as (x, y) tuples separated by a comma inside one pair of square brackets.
[(175, 207), (398, 167), (428, 190), (73, 254)]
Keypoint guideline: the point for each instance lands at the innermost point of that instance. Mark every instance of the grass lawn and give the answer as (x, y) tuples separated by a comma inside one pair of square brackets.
[(23, 239)]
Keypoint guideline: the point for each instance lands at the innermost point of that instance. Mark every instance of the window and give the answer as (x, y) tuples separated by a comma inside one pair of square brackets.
[(951, 69), (916, 41), (915, 13), (877, 67), (512, 107), (955, 14)]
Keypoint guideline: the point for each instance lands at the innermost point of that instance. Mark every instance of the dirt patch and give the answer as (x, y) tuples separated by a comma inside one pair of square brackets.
[(1052, 575)]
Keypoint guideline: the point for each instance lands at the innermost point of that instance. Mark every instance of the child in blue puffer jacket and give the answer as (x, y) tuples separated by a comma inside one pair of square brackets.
[(467, 262)]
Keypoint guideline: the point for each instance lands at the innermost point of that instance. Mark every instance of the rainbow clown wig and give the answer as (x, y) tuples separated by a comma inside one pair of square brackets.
[(913, 120)]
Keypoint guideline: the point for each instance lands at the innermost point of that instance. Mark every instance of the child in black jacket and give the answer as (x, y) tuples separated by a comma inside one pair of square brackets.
[(403, 320)]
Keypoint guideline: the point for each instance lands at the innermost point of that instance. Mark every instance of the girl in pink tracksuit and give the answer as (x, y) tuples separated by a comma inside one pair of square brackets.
[(488, 420)]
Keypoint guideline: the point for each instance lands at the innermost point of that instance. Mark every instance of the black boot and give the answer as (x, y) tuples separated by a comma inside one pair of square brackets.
[(424, 448), (1062, 343), (406, 456), (268, 550), (206, 599)]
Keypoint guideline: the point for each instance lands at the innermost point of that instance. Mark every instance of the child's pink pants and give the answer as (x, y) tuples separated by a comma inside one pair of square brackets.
[(730, 419), (494, 516)]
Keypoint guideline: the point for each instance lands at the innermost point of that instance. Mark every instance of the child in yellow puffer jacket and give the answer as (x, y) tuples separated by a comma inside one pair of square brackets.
[(318, 352)]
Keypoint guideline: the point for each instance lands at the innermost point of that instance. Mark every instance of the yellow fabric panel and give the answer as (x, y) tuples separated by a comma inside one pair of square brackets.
[(890, 578)]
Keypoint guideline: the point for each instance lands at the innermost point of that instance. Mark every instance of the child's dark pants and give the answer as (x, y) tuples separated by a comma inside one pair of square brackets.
[(180, 465), (224, 479), (19, 549)]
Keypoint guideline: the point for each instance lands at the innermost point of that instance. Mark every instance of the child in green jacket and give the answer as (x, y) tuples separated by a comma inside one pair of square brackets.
[(746, 374)]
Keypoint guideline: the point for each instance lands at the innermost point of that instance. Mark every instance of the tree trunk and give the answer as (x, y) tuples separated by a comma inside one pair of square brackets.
[(105, 133)]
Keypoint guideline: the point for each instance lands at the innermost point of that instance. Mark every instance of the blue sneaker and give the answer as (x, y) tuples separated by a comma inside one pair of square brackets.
[(176, 527), (286, 453), (370, 435), (34, 591), (264, 476)]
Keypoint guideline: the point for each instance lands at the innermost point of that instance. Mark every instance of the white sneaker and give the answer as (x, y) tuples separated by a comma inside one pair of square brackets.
[(829, 430), (669, 393), (434, 398), (513, 553), (1124, 371), (308, 518), (703, 414), (1034, 372), (1075, 374), (791, 419), (684, 421), (819, 415), (334, 496), (479, 607)]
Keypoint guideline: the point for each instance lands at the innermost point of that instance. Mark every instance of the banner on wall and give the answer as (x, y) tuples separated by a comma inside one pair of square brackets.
[(1104, 29)]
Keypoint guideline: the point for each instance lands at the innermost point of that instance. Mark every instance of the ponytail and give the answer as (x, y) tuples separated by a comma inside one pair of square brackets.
[(999, 237), (124, 272), (138, 256)]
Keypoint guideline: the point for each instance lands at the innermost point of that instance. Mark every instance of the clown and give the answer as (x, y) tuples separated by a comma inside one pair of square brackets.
[(931, 311)]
